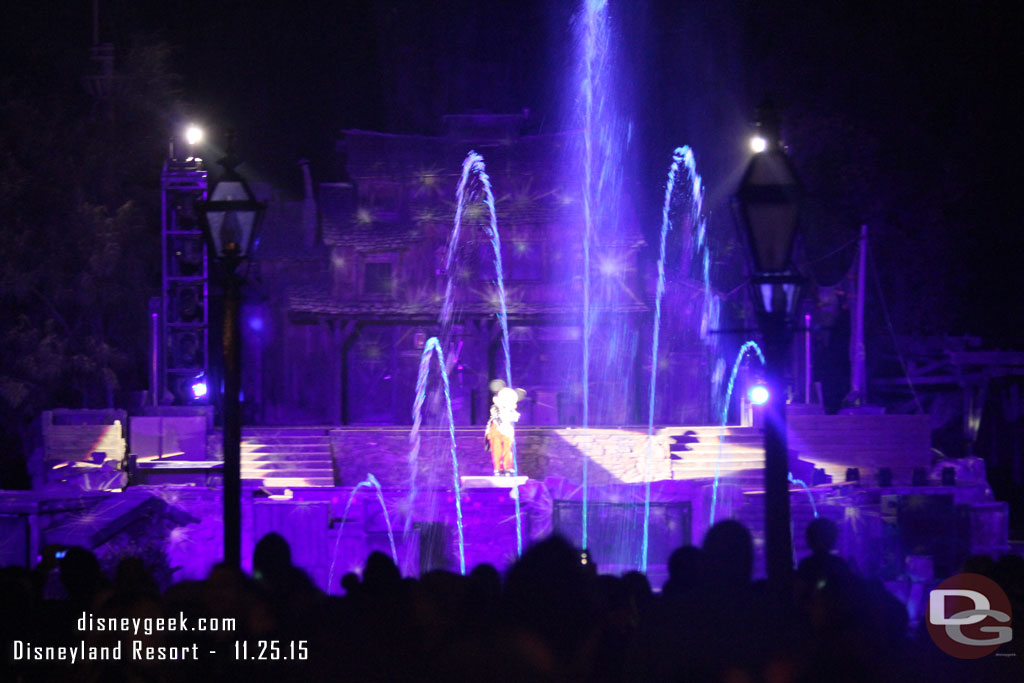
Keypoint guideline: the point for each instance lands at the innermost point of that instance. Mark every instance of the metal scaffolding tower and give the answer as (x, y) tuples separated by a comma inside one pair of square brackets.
[(183, 355)]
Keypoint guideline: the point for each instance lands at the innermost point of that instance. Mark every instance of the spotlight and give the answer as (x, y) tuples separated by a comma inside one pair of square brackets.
[(199, 388), (758, 394), (193, 134), (758, 144)]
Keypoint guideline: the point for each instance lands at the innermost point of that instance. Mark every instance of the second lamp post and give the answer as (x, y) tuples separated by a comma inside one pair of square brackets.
[(768, 201), (231, 217)]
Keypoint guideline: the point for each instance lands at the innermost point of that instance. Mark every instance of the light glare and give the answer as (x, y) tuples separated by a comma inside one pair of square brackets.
[(758, 394), (199, 389), (758, 144), (193, 134)]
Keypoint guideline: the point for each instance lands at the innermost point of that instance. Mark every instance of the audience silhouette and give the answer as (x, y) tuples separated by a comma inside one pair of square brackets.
[(552, 617)]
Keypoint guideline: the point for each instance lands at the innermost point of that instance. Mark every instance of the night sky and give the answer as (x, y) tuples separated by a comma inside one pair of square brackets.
[(902, 115)]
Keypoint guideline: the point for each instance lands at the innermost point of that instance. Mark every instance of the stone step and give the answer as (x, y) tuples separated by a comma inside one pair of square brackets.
[(309, 475), (285, 463), (711, 431), (271, 466), (736, 476), (716, 436), (755, 442), (303, 443), (286, 457), (286, 432), (297, 482), (713, 454), (287, 441), (711, 449), (704, 471), (284, 450)]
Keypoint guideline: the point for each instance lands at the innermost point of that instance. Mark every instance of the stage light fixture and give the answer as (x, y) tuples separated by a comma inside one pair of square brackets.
[(186, 350), (199, 388), (758, 144), (193, 134), (758, 394)]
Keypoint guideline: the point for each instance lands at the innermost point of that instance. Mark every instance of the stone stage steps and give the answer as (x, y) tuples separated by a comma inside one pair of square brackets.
[(287, 457)]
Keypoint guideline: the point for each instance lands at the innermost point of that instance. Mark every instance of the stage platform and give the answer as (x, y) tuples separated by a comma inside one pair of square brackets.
[(311, 484)]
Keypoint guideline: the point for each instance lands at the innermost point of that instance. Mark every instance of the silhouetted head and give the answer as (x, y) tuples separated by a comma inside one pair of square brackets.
[(729, 553), (133, 578), (550, 592), (80, 572), (350, 582), (979, 564), (272, 557), (686, 565), (485, 582), (822, 535), (637, 586), (380, 573), (1009, 574)]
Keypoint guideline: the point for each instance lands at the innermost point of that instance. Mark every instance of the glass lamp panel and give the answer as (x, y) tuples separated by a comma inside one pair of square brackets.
[(772, 227), (231, 230)]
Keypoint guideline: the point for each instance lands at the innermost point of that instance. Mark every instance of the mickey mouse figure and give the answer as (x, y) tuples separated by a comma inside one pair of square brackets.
[(500, 433)]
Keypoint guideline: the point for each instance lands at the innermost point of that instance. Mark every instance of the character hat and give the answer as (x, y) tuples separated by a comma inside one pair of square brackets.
[(497, 385)]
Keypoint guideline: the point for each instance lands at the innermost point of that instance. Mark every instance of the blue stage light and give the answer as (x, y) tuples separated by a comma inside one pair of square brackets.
[(758, 394), (199, 387)]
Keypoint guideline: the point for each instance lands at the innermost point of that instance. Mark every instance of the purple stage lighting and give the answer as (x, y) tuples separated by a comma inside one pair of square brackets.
[(758, 394), (199, 388)]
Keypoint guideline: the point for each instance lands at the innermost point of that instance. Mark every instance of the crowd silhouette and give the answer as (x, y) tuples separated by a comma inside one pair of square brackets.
[(549, 618)]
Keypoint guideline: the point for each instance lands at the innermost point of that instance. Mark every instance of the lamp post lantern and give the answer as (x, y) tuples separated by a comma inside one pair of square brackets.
[(768, 205), (231, 217)]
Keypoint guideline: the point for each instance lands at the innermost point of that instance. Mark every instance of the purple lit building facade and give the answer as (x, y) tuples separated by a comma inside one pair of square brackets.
[(347, 288)]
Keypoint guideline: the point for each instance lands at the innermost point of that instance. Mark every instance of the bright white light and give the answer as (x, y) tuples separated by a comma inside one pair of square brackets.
[(193, 134), (199, 389), (758, 394), (758, 144)]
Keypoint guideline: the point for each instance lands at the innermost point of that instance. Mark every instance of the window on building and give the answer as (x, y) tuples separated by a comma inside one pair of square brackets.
[(377, 278)]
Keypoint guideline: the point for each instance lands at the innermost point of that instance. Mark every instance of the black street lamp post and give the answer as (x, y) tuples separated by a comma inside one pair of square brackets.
[(231, 217), (768, 202)]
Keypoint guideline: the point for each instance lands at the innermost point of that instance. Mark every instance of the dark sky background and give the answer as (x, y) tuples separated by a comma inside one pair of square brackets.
[(904, 115)]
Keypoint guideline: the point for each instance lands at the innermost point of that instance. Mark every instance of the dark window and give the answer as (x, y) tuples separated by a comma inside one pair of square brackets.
[(377, 278)]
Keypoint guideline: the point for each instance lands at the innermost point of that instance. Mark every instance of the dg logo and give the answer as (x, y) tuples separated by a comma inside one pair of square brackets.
[(969, 616)]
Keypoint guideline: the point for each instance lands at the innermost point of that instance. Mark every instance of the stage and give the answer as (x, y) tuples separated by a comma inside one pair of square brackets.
[(338, 493)]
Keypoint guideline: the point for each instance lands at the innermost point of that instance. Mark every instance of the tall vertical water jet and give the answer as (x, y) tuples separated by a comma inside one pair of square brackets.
[(682, 158), (600, 166), (666, 225), (474, 166), (697, 250), (430, 349)]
